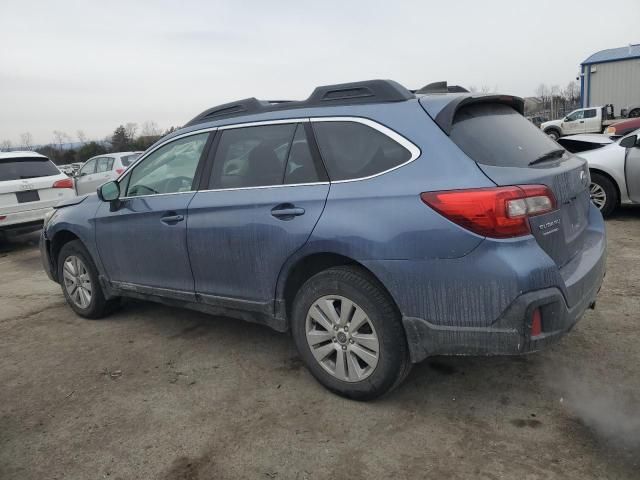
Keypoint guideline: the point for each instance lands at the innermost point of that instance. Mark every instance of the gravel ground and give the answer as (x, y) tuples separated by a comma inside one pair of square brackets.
[(155, 392)]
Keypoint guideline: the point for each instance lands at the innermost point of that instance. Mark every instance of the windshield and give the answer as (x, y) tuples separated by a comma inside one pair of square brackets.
[(495, 134), (26, 167)]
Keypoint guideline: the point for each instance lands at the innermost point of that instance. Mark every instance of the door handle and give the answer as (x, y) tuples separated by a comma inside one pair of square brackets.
[(286, 211), (172, 219), (581, 121)]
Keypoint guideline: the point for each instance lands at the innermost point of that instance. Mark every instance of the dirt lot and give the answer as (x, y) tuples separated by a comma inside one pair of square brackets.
[(155, 392)]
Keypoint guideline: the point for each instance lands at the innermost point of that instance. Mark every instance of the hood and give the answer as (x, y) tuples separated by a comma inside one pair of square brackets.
[(72, 201), (550, 123)]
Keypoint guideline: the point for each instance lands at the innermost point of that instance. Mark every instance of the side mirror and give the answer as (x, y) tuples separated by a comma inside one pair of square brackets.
[(109, 192), (629, 142), (566, 119)]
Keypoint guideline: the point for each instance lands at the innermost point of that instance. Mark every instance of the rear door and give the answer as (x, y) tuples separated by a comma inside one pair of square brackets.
[(265, 193), (104, 171), (592, 121), (522, 155)]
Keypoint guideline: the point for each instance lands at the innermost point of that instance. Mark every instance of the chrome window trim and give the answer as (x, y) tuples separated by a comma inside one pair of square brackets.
[(413, 149)]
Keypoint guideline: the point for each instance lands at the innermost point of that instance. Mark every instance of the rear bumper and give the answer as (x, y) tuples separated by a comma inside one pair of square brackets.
[(23, 222), (510, 335), (482, 303)]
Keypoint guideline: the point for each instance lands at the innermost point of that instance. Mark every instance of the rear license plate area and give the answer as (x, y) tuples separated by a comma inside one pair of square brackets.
[(28, 196)]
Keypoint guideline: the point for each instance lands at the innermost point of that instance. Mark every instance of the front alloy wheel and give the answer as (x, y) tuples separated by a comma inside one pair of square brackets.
[(77, 281), (342, 338), (598, 195)]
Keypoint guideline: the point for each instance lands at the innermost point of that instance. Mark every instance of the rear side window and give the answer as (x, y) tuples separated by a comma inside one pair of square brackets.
[(252, 156), (127, 160), (494, 134), (26, 167), (104, 164), (353, 150), (590, 113)]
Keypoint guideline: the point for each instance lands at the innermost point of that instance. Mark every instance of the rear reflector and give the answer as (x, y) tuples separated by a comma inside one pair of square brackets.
[(66, 183), (536, 323), (500, 212)]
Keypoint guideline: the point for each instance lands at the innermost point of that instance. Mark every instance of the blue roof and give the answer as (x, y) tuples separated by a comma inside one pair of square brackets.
[(614, 54)]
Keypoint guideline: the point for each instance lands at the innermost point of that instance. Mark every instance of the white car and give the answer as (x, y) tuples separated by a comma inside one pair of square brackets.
[(102, 169), (30, 185), (614, 165)]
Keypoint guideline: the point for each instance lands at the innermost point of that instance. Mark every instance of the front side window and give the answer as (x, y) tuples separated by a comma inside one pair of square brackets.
[(88, 168), (169, 169), (252, 156), (353, 150)]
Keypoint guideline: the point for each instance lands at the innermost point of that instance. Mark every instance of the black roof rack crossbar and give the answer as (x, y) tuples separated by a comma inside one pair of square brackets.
[(441, 87), (369, 91)]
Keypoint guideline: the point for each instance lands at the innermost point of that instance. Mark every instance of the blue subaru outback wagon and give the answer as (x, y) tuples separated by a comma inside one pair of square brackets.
[(380, 225)]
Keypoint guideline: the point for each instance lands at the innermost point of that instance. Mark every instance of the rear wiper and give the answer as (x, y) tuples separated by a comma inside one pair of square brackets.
[(557, 153)]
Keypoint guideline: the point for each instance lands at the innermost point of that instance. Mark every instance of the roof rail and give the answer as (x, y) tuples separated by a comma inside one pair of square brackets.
[(368, 91), (441, 87)]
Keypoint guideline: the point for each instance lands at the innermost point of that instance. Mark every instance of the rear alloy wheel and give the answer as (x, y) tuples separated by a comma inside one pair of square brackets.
[(342, 338), (635, 113), (603, 194), (349, 333)]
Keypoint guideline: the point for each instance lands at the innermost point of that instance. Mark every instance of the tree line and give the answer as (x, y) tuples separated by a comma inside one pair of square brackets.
[(63, 150)]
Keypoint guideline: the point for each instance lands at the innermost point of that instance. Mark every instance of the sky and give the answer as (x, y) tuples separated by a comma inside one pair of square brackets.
[(93, 65)]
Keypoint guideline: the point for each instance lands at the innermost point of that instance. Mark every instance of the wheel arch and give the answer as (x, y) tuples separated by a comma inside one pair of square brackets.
[(610, 177), (298, 271), (59, 240)]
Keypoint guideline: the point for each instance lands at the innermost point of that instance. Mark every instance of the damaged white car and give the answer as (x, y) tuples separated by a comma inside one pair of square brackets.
[(614, 165)]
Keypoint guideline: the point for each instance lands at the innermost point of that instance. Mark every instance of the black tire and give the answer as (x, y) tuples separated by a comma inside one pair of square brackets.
[(610, 190), (357, 285), (553, 133), (98, 306), (635, 113)]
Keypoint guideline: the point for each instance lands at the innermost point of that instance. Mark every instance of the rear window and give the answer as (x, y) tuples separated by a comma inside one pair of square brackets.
[(494, 134), (26, 167), (129, 159)]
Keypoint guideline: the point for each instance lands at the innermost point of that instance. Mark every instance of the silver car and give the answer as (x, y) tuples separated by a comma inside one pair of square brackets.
[(102, 169)]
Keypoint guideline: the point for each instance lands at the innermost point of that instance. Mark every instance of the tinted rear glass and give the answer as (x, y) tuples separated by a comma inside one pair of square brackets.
[(129, 159), (19, 168), (494, 134)]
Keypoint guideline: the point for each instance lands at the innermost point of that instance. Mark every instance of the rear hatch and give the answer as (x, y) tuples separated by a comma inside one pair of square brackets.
[(26, 183), (511, 151)]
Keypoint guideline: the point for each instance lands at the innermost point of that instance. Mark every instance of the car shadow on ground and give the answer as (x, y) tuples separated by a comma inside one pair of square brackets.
[(16, 243)]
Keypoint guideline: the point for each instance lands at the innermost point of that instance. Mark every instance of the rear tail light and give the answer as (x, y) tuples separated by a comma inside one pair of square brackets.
[(536, 323), (66, 183), (119, 170), (500, 212)]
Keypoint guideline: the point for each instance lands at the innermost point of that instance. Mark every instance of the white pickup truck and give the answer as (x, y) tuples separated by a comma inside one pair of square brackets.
[(582, 120)]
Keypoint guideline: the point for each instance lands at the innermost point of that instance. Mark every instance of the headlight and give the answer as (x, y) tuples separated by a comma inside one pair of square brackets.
[(48, 216)]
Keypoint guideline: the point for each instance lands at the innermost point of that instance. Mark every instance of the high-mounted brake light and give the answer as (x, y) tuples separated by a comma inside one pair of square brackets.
[(500, 212), (65, 183)]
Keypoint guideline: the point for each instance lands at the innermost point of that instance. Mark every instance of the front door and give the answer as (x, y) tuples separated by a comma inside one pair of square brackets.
[(632, 172), (85, 176), (143, 242), (267, 189), (574, 123)]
